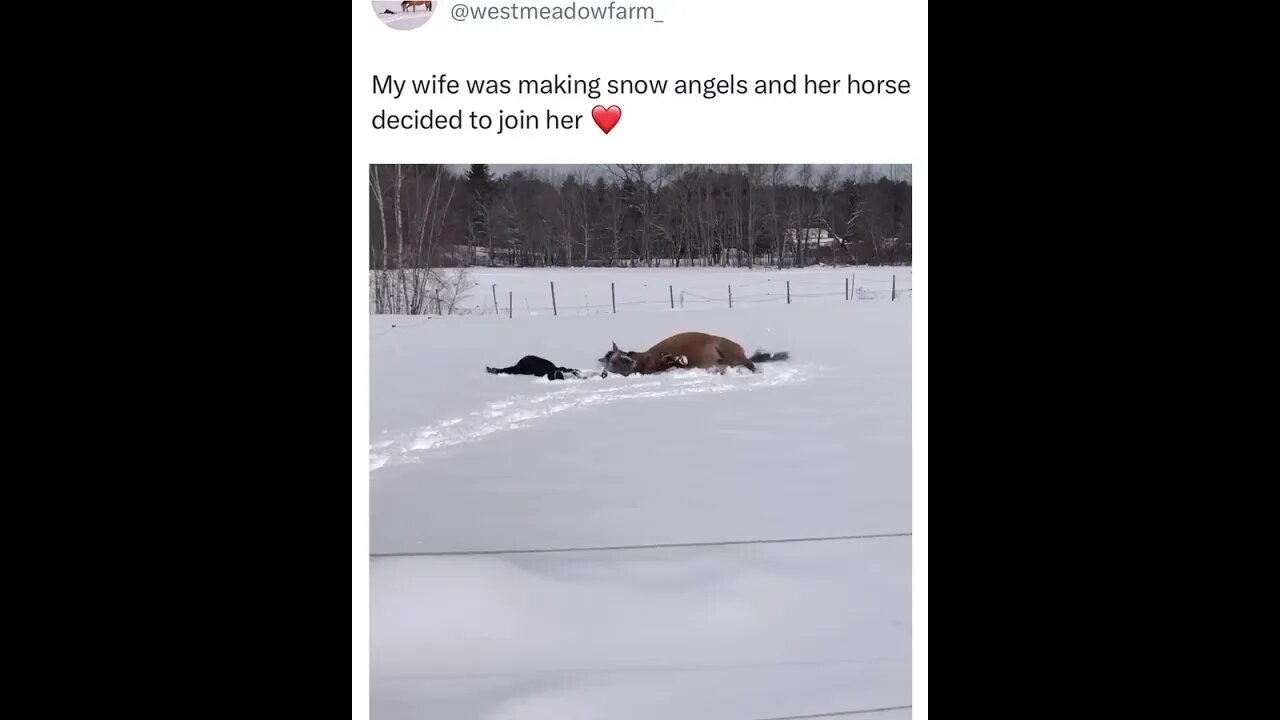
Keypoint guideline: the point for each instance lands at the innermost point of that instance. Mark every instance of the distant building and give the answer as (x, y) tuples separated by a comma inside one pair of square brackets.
[(820, 245), (812, 237)]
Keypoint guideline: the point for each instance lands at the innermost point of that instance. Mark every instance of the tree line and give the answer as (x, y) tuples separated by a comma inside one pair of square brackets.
[(429, 216)]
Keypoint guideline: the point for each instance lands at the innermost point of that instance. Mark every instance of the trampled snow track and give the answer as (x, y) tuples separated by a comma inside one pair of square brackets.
[(545, 399)]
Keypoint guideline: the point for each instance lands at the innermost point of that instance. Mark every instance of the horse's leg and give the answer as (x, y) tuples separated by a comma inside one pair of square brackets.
[(671, 362)]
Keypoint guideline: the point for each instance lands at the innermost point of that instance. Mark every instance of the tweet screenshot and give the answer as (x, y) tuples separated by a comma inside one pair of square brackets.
[(638, 340)]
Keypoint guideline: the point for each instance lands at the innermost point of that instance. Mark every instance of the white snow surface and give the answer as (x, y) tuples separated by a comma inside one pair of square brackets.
[(818, 445)]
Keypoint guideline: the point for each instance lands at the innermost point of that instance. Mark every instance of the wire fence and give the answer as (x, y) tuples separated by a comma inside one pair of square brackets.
[(648, 546), (609, 298), (633, 669), (843, 713)]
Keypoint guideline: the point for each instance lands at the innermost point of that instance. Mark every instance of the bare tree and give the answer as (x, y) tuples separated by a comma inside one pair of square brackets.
[(800, 212), (403, 284), (776, 173), (586, 225), (375, 187), (452, 288)]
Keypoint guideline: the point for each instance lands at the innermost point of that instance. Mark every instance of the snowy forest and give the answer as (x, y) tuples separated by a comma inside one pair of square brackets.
[(432, 216)]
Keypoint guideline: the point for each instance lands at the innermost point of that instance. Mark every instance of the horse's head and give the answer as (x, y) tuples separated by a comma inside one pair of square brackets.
[(618, 361)]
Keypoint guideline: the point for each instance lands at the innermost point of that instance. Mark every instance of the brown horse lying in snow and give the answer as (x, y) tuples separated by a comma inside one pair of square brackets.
[(689, 349)]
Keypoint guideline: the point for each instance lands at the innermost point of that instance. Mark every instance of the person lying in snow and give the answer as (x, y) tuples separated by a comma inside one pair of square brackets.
[(539, 367)]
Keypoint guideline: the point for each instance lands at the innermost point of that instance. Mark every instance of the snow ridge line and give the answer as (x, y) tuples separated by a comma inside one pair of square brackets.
[(651, 546)]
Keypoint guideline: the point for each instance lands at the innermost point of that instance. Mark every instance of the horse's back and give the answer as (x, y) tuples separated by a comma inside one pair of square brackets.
[(685, 343), (702, 349), (683, 340)]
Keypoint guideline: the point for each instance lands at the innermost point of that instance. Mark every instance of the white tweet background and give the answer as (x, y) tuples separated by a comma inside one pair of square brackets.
[(698, 40)]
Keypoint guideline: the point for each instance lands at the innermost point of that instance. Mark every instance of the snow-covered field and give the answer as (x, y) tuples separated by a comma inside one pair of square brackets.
[(400, 20), (813, 447)]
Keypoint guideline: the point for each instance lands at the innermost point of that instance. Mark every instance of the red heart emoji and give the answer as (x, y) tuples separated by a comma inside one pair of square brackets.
[(606, 119)]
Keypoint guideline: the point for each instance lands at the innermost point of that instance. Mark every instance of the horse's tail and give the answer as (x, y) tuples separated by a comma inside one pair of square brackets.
[(764, 357)]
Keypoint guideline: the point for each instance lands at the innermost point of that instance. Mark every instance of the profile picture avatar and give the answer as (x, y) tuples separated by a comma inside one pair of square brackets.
[(404, 14)]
